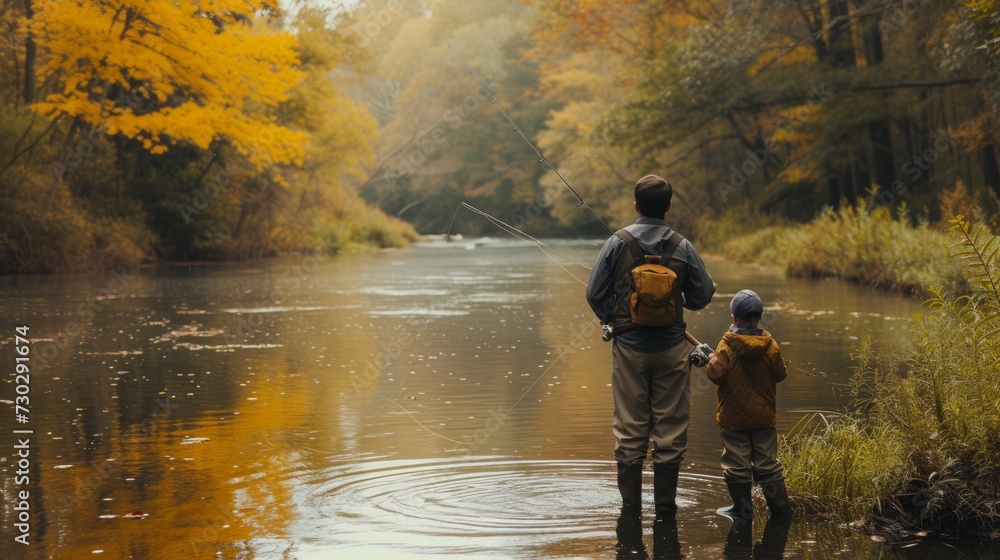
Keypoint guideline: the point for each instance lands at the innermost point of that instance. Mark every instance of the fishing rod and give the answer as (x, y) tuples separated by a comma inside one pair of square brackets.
[(517, 129), (504, 226), (697, 357)]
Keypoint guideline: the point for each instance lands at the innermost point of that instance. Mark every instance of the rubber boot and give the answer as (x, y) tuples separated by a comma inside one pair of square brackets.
[(776, 496), (630, 484), (742, 508), (772, 544), (739, 541), (666, 544), (665, 487), (629, 532)]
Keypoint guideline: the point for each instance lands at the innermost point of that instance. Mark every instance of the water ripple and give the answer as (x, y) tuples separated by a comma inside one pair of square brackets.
[(479, 498)]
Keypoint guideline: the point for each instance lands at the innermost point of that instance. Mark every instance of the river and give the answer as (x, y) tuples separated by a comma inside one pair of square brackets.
[(446, 400)]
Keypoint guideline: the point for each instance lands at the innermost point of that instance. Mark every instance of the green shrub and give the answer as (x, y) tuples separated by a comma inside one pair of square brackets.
[(861, 243), (361, 227), (919, 447)]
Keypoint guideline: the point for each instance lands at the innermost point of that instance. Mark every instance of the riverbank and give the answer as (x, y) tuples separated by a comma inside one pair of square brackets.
[(918, 449), (69, 236), (860, 243)]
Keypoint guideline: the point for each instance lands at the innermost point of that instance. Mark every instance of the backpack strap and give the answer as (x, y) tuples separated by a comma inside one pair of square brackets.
[(633, 246), (672, 244)]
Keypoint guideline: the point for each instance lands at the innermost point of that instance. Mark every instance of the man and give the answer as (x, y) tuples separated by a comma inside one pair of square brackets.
[(651, 376)]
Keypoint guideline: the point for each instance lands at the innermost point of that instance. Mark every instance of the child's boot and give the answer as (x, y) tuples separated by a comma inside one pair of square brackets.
[(776, 496), (742, 508)]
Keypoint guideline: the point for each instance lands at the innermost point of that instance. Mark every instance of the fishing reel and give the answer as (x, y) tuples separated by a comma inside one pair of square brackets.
[(607, 333), (701, 355)]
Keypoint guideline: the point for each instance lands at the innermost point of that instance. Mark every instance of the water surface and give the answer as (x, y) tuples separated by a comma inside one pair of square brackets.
[(447, 400)]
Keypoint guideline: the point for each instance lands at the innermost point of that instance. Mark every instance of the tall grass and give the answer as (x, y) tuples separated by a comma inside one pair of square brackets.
[(861, 243), (919, 448)]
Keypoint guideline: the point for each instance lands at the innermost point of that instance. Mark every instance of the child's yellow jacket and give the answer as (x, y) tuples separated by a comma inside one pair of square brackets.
[(746, 368)]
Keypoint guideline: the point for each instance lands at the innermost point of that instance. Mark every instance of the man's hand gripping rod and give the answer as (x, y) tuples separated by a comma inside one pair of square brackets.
[(698, 358)]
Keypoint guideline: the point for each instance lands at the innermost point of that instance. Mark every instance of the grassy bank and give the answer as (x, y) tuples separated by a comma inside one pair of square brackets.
[(73, 236), (861, 243), (919, 448)]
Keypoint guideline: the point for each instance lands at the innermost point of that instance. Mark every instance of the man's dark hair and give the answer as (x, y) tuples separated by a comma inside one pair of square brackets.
[(653, 194)]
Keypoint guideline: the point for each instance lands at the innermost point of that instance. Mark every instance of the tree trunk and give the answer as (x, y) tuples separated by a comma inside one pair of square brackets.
[(833, 190), (30, 54), (841, 41), (879, 130), (991, 171)]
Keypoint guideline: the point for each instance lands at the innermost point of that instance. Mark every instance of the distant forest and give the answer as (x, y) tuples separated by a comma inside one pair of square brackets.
[(779, 107), (142, 131)]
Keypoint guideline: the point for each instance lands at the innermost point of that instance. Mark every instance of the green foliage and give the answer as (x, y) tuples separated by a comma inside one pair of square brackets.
[(919, 447), (862, 243), (841, 466), (364, 227)]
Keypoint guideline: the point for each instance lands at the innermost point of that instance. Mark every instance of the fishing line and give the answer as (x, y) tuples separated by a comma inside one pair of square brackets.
[(504, 226), (409, 368), (517, 129), (419, 423), (514, 232), (539, 378)]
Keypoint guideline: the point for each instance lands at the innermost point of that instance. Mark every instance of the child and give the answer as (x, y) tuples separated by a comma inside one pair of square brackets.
[(746, 366)]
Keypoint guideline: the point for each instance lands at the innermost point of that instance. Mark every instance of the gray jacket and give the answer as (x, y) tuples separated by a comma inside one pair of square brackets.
[(652, 235)]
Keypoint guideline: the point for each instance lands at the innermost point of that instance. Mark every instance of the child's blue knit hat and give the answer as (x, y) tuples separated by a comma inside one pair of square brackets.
[(747, 306)]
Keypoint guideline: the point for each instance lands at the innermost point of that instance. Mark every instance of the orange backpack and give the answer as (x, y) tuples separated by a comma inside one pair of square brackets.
[(652, 301)]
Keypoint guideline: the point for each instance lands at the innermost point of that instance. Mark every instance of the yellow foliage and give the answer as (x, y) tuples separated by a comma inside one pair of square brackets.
[(781, 54), (165, 71)]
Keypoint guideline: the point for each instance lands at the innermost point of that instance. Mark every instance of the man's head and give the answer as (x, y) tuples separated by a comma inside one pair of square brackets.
[(746, 308), (652, 196)]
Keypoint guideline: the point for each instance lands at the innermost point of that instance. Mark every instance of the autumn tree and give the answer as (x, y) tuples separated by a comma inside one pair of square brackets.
[(789, 104)]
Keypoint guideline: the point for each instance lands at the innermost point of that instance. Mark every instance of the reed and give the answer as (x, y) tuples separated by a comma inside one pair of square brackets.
[(863, 243), (919, 447)]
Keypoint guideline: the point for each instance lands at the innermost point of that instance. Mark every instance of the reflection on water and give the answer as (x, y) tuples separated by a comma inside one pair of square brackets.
[(426, 402)]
